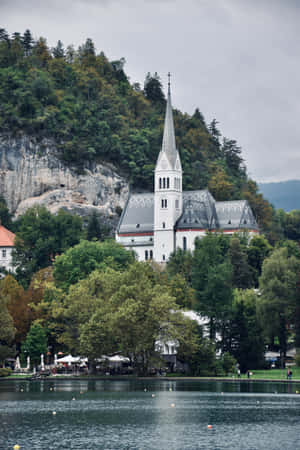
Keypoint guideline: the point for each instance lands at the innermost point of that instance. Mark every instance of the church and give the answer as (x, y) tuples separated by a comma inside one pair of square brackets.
[(156, 224)]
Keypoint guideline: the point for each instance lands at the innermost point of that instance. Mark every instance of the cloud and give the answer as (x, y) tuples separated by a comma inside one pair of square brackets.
[(236, 60)]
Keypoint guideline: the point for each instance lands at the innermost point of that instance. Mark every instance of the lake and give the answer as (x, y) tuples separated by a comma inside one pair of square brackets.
[(149, 414)]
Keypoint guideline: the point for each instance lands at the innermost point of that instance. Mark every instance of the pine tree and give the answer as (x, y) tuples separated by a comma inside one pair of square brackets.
[(28, 42)]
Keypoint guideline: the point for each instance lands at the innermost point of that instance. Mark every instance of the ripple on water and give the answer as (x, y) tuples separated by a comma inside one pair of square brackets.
[(133, 419)]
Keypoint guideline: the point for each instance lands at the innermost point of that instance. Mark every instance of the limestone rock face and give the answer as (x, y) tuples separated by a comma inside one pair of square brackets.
[(31, 174)]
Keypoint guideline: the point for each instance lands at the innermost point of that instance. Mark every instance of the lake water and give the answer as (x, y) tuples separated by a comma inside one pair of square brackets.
[(146, 414)]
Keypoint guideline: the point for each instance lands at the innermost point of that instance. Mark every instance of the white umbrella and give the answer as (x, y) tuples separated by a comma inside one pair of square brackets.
[(69, 359), (118, 359)]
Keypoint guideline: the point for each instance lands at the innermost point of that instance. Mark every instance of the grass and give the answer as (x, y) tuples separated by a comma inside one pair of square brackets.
[(274, 374)]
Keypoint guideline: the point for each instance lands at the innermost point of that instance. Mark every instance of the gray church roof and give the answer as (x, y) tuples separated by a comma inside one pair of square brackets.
[(138, 214), (235, 214), (200, 210)]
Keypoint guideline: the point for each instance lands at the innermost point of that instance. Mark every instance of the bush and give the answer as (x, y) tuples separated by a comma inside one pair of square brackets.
[(228, 363), (5, 372), (297, 358)]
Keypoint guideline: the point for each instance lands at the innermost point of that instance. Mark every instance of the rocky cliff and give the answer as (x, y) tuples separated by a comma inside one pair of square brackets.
[(31, 173)]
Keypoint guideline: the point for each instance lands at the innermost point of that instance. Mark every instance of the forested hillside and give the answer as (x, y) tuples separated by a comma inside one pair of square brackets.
[(87, 106)]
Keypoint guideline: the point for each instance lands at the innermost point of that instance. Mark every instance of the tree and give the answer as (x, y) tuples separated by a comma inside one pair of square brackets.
[(40, 237), (241, 272), (125, 311), (58, 51), (181, 262), (36, 343), (27, 42), (292, 225), (220, 185), (279, 298), (17, 305), (153, 88), (245, 339), (95, 229), (7, 332), (211, 279), (5, 216), (257, 250), (79, 261)]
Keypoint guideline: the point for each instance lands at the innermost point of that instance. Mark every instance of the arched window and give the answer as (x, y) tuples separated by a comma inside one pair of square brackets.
[(168, 183), (160, 183), (164, 257), (164, 183), (162, 203), (177, 204), (151, 254), (164, 224), (166, 203), (146, 255), (184, 243)]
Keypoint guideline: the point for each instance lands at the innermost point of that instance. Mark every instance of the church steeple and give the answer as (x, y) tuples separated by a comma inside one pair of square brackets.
[(167, 190), (169, 143)]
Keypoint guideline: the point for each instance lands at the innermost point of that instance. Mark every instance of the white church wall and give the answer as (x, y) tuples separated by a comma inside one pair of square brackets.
[(163, 245), (190, 236)]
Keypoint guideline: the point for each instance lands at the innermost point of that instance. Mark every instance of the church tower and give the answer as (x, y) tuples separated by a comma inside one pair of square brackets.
[(167, 190)]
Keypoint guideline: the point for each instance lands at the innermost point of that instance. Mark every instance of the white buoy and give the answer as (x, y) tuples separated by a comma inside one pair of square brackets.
[(54, 413), (145, 390), (172, 405), (153, 395), (73, 398)]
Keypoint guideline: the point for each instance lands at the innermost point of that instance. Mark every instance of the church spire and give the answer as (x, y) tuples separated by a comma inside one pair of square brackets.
[(168, 143)]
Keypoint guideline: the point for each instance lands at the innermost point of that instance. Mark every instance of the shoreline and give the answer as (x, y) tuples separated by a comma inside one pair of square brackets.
[(132, 378)]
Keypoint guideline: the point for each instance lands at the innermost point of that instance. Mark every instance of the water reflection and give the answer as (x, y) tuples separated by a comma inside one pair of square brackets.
[(139, 414)]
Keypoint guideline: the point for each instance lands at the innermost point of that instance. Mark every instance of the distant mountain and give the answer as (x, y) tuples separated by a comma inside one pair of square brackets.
[(284, 194)]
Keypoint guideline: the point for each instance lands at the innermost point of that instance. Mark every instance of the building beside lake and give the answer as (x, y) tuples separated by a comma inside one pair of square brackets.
[(7, 239), (154, 224)]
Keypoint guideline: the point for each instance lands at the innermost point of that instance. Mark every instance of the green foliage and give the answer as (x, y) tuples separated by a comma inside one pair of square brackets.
[(95, 229), (7, 331), (244, 339), (35, 343), (5, 216), (212, 279), (257, 250), (279, 301), (40, 237), (228, 363), (5, 372), (86, 105), (79, 261), (241, 271), (121, 311)]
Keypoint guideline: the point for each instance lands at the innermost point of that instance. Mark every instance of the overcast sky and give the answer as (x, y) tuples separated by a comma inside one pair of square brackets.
[(237, 60)]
